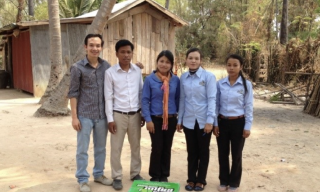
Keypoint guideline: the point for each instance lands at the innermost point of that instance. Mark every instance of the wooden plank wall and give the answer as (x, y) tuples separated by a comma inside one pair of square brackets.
[(148, 29)]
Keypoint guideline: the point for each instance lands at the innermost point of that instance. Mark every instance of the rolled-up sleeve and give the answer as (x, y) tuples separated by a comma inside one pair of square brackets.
[(74, 82)]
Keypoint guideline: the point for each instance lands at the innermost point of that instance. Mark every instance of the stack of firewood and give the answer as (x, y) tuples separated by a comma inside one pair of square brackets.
[(312, 106)]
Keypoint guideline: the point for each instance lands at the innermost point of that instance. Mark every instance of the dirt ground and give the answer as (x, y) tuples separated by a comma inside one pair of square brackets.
[(38, 154)]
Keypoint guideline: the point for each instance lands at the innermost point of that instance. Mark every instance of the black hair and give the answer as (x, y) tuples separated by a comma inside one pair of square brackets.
[(122, 43), (93, 35), (194, 50), (168, 54), (240, 59)]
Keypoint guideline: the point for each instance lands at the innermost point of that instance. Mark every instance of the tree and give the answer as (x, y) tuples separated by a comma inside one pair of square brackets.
[(74, 8), (56, 72), (167, 4), (57, 104), (20, 9), (31, 7), (284, 23)]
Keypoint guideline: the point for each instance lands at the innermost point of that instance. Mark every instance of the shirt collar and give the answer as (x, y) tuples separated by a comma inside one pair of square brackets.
[(155, 77), (119, 68), (226, 80), (198, 73), (86, 61)]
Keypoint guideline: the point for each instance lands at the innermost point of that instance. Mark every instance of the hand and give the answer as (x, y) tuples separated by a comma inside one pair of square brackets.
[(112, 127), (208, 128), (179, 128), (216, 131), (246, 133), (140, 65), (76, 124), (150, 127), (143, 121)]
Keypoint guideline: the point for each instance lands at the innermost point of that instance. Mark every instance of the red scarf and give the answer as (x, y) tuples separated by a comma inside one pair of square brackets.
[(165, 88)]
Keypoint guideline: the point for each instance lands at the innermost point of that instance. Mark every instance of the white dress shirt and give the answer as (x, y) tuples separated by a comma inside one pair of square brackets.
[(122, 90)]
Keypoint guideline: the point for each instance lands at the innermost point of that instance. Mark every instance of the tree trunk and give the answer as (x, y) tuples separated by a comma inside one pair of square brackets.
[(284, 23), (277, 12), (31, 7), (20, 9), (167, 4), (58, 99), (270, 22), (56, 72)]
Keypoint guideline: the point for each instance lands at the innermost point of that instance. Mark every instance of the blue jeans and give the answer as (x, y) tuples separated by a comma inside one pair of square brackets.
[(100, 131)]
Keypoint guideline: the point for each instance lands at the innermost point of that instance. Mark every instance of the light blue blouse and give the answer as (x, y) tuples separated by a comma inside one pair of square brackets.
[(197, 99), (232, 100)]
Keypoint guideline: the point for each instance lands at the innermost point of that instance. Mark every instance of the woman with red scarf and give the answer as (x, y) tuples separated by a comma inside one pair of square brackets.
[(160, 104)]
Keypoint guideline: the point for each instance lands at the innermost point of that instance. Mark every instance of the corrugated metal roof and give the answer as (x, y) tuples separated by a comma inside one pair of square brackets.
[(115, 8), (88, 17)]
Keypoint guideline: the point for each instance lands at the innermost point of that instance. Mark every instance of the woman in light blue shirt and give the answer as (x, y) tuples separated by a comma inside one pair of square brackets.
[(196, 117), (235, 115), (160, 104)]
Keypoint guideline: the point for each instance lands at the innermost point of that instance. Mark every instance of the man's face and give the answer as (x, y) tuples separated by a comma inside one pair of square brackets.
[(124, 55), (93, 47)]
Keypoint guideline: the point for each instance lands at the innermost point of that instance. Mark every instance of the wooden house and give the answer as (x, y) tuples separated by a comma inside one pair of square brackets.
[(148, 25)]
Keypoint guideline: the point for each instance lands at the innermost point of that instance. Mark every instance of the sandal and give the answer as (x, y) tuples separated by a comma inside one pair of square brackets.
[(189, 186), (199, 187)]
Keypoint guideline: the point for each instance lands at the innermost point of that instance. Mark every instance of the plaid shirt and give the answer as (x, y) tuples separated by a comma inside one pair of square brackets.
[(86, 85)]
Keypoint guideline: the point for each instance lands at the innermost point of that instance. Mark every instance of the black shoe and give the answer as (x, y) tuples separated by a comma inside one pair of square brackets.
[(137, 177), (117, 184), (164, 179), (199, 187), (189, 186), (155, 179)]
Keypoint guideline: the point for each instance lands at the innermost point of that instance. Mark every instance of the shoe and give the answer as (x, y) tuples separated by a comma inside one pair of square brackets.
[(189, 186), (199, 187), (84, 187), (233, 189), (103, 180), (164, 179), (222, 188), (155, 179), (117, 184), (137, 177)]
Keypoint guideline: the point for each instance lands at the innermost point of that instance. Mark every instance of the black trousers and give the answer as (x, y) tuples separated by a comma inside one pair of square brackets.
[(231, 132), (161, 143), (198, 150)]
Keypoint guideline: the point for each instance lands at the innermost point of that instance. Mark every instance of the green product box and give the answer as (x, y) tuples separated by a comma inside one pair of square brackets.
[(151, 186)]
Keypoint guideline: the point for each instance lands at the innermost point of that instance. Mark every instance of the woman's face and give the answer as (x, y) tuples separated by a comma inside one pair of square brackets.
[(233, 67), (193, 60), (164, 65)]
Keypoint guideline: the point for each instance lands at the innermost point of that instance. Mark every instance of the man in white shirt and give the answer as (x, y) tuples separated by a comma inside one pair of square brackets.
[(122, 91)]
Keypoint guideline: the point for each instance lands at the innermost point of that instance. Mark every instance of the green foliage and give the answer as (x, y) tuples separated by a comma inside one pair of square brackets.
[(74, 8), (41, 11), (252, 47), (275, 97), (8, 12)]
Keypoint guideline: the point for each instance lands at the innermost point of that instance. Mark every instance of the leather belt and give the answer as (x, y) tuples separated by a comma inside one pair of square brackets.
[(160, 116), (234, 117), (127, 113)]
